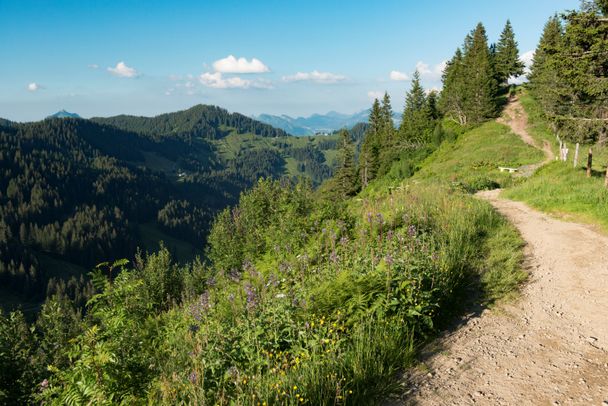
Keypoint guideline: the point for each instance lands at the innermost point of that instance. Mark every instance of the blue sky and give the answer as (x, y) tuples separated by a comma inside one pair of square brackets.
[(100, 58)]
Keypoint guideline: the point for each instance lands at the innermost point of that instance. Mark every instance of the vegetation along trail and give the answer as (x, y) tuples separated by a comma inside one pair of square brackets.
[(515, 117), (550, 346)]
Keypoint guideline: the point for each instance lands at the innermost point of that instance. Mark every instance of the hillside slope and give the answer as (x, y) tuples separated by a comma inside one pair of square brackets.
[(77, 192), (548, 347)]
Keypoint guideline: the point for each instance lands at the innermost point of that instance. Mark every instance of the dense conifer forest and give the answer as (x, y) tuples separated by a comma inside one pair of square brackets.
[(77, 192)]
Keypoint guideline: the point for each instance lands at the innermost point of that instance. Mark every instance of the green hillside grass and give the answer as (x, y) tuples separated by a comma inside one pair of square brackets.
[(474, 158), (345, 292), (559, 188), (463, 166)]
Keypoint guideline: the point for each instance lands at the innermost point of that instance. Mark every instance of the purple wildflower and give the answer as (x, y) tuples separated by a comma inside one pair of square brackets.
[(201, 306), (251, 297), (193, 377), (389, 259), (411, 231), (333, 256)]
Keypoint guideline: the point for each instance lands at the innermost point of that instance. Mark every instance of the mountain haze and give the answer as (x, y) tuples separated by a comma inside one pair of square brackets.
[(317, 123)]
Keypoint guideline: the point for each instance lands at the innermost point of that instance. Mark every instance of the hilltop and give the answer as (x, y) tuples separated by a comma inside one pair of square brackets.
[(64, 114)]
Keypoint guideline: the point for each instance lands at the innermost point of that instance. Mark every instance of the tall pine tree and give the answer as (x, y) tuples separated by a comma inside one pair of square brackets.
[(346, 180), (570, 73), (416, 120), (388, 129), (544, 78), (506, 58), (370, 148), (480, 86), (451, 100)]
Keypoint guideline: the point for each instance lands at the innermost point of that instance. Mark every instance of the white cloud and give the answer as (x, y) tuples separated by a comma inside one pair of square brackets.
[(433, 89), (398, 76), (432, 73), (123, 71), (217, 81), (33, 87), (375, 94), (315, 76), (527, 58), (230, 64), (93, 66)]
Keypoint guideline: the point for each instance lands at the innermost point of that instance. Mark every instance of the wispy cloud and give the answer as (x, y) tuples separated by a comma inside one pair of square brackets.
[(375, 94), (398, 76), (315, 76), (217, 81), (122, 70), (431, 73), (93, 66), (34, 87), (231, 64), (527, 58)]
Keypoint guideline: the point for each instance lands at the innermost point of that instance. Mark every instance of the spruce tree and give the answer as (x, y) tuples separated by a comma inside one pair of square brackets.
[(582, 66), (346, 176), (506, 58), (370, 148), (544, 78), (480, 85), (432, 105), (451, 101), (415, 122), (569, 74), (388, 128)]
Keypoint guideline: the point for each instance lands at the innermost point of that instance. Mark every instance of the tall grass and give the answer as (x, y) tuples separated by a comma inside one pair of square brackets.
[(564, 191), (559, 188), (474, 159)]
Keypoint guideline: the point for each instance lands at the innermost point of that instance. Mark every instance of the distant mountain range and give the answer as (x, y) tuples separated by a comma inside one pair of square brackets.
[(64, 114), (317, 123)]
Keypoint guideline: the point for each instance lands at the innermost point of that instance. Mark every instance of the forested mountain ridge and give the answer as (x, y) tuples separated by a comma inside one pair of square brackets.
[(208, 122), (76, 192)]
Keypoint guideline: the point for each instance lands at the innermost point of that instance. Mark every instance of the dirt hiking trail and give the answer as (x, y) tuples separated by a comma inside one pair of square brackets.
[(548, 347), (515, 117)]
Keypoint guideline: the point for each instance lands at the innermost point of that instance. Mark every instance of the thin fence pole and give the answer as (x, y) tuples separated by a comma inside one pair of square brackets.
[(576, 156), (589, 162)]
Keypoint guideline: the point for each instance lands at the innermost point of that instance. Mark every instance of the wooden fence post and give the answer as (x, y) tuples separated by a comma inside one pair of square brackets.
[(576, 155), (589, 162), (606, 178)]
